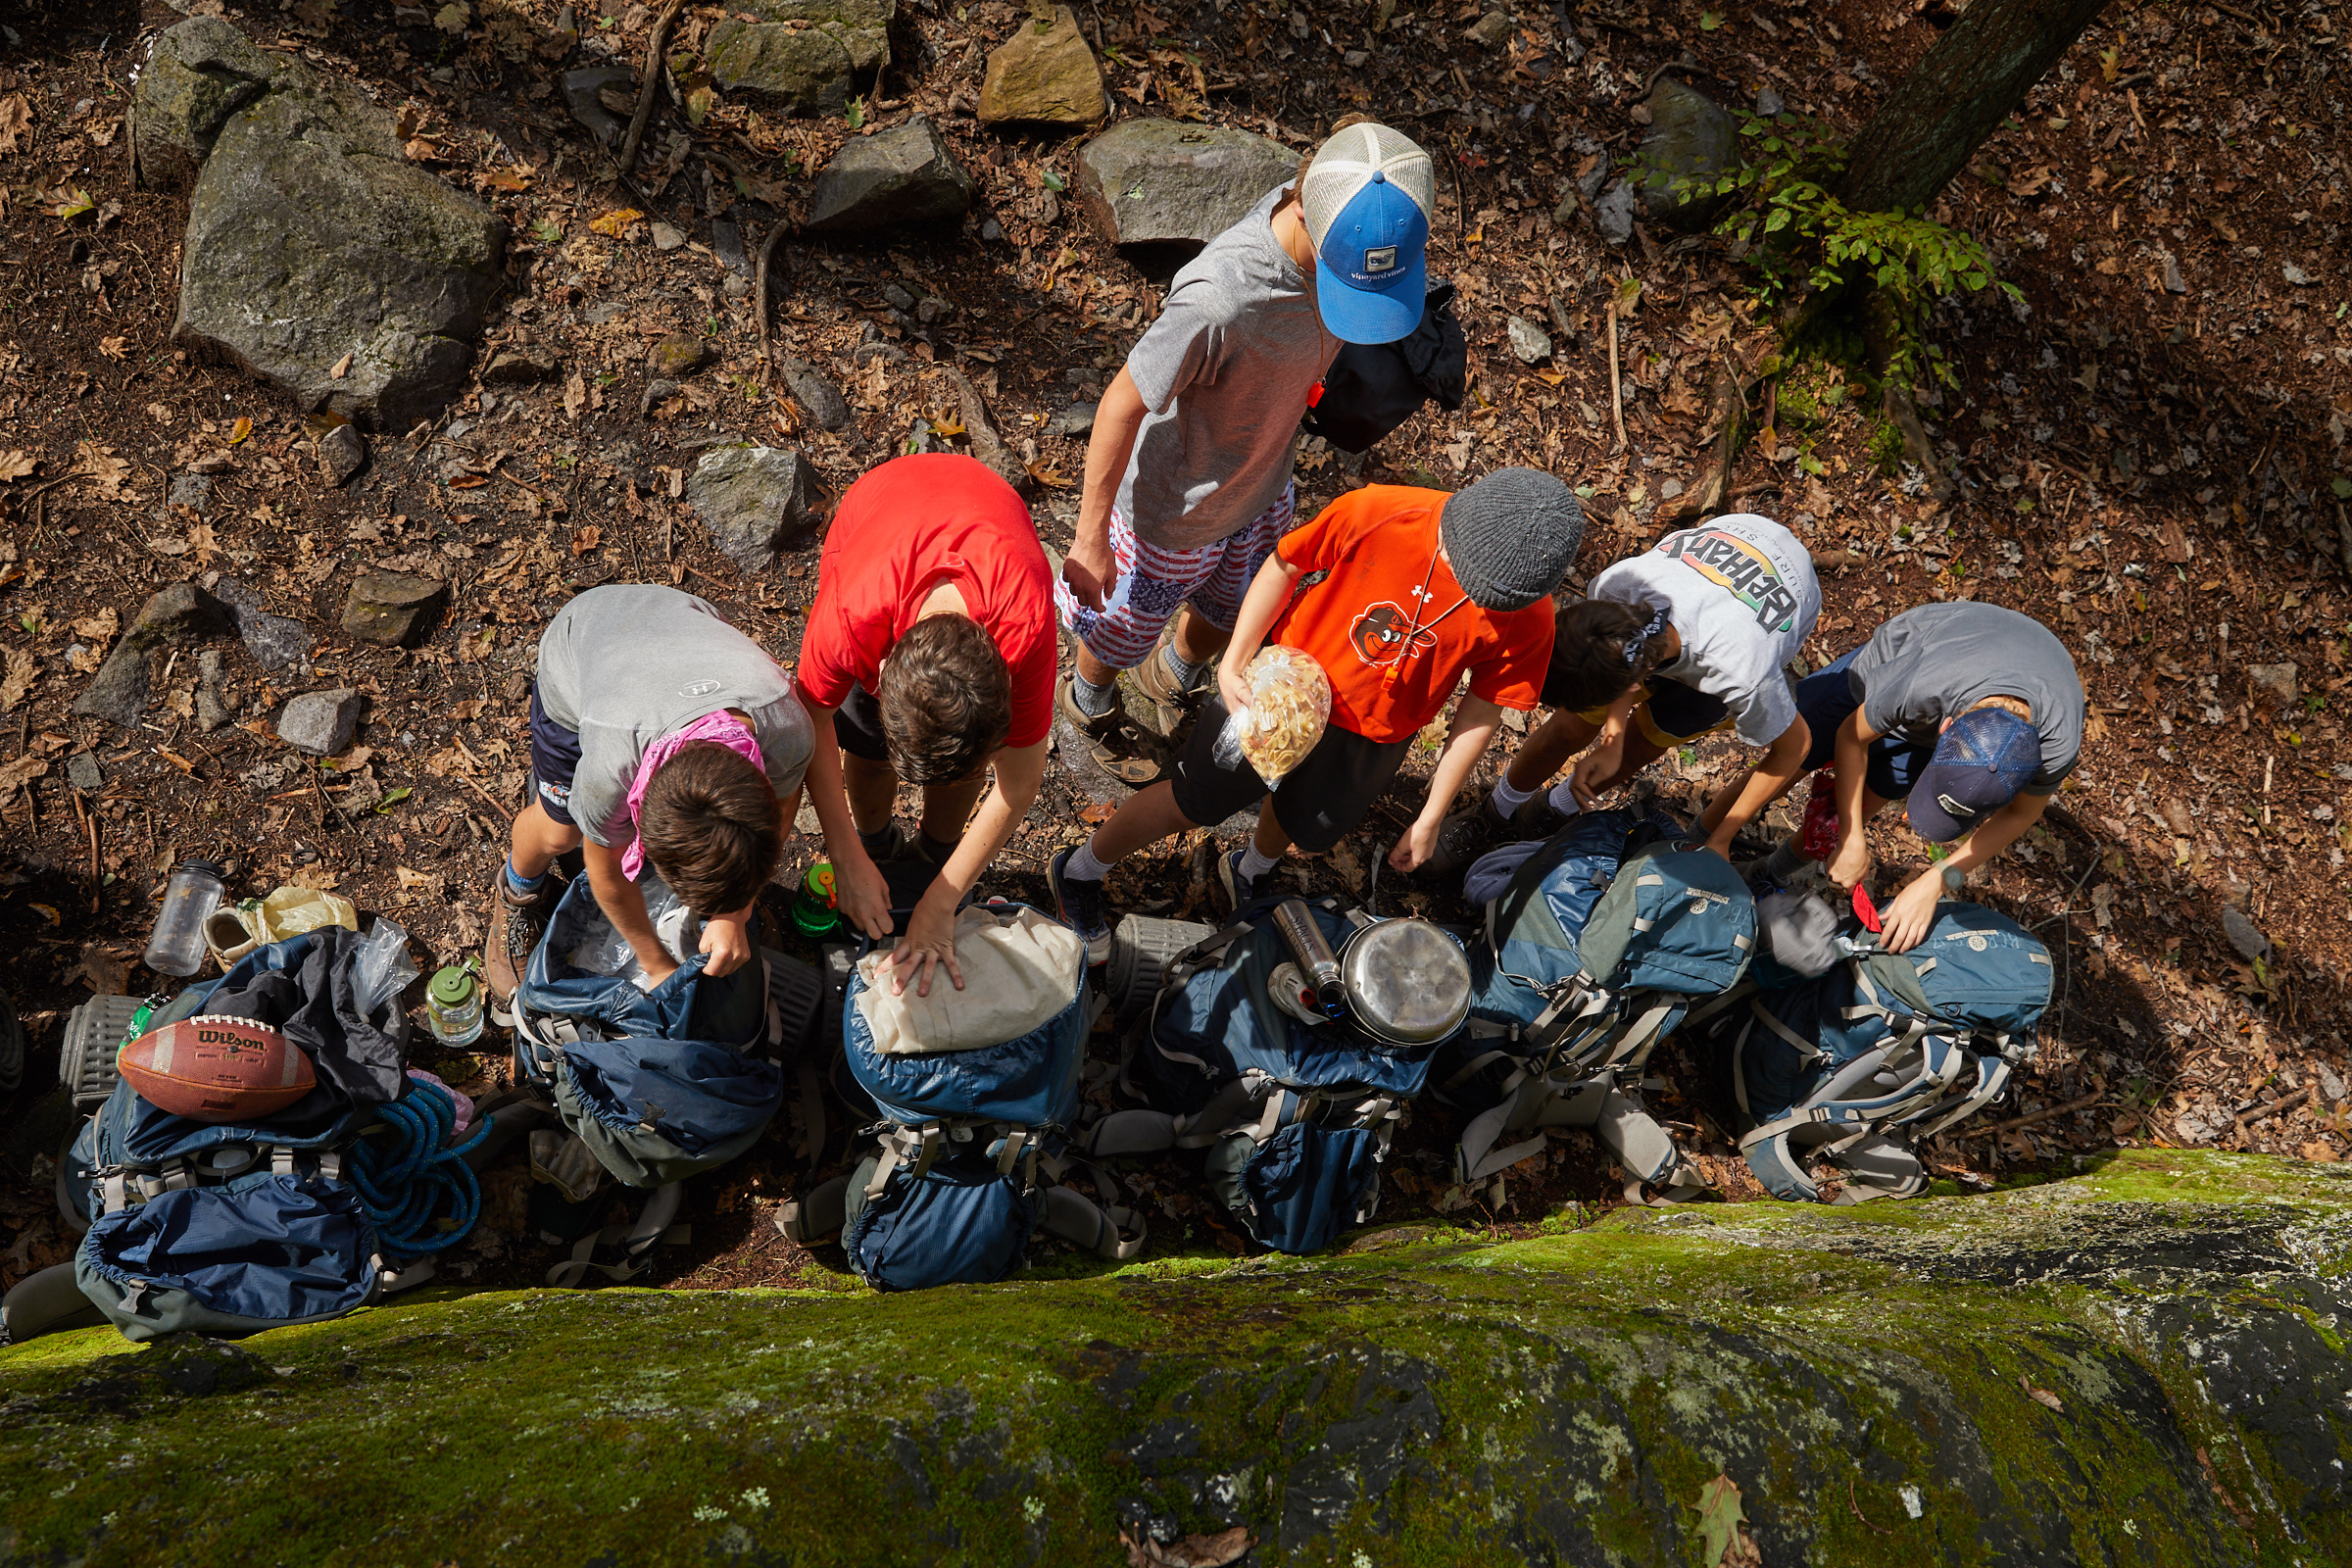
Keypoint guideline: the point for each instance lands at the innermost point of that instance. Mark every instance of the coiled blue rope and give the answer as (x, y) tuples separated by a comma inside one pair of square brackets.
[(421, 1196)]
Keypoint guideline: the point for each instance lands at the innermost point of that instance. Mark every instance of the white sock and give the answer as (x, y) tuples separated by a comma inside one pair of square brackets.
[(1084, 865), (1507, 800), (1562, 799), (1255, 864)]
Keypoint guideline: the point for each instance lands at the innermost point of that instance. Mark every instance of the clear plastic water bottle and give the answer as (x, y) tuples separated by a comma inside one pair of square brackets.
[(453, 1006), (176, 944)]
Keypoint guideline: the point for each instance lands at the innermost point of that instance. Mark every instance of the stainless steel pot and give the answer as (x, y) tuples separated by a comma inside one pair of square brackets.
[(1407, 981)]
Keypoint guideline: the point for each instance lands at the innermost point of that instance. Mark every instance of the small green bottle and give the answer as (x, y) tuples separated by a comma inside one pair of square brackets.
[(815, 911), (453, 1006)]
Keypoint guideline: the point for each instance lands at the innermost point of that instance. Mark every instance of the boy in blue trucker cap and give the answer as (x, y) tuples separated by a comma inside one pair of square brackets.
[(1187, 473), (1970, 714)]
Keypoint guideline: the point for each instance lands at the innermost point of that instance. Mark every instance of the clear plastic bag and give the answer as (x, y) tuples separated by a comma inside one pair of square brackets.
[(383, 968), (1289, 704), (605, 950)]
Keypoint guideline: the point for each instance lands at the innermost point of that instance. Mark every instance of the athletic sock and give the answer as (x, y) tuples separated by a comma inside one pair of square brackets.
[(1187, 675), (520, 886), (1084, 865), (1786, 861), (1562, 800), (1254, 865), (1093, 700), (879, 846), (1505, 802)]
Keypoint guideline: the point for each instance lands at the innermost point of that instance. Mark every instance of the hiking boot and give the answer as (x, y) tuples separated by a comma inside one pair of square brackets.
[(1157, 681), (1118, 746), (516, 924), (1238, 889), (895, 843), (1465, 836), (1082, 907)]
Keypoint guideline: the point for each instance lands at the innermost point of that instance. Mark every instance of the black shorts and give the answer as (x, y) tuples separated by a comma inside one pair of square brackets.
[(857, 725), (1669, 714), (1317, 803), (555, 759)]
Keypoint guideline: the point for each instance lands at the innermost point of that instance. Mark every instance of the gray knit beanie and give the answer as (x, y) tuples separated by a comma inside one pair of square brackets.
[(1512, 537)]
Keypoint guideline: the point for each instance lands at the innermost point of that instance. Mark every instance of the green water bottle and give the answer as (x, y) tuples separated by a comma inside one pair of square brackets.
[(453, 1006), (815, 911)]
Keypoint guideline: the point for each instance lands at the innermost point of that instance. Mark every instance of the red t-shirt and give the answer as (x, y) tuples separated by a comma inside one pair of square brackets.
[(1392, 628), (901, 531)]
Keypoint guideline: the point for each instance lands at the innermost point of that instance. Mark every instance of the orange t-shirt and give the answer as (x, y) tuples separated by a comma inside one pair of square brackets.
[(1392, 628)]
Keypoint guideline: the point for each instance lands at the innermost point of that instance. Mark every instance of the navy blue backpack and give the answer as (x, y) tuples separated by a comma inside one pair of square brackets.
[(1297, 1119), (1857, 1065), (971, 1135), (1600, 944)]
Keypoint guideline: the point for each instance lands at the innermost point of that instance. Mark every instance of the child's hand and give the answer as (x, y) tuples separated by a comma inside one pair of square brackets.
[(1414, 849), (1597, 764), (728, 942), (1851, 864), (860, 891), (1232, 686), (1907, 920), (656, 971), (930, 938)]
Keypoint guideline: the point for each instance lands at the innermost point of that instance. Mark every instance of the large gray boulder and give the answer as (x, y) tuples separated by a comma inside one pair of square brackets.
[(1151, 181), (903, 174), (755, 501), (1691, 138), (316, 255), (1044, 74), (800, 57)]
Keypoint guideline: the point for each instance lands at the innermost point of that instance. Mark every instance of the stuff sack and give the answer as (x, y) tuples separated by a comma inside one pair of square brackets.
[(1297, 1117), (1884, 1050), (1595, 951), (1372, 388), (977, 1091)]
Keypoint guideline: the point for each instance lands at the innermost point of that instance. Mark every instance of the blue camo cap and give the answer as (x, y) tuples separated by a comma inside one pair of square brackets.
[(1980, 764)]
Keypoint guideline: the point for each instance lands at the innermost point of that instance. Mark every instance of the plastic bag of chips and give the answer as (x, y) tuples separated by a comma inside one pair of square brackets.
[(1290, 703)]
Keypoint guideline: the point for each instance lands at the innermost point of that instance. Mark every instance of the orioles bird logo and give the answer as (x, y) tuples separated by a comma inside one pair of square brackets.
[(1383, 635)]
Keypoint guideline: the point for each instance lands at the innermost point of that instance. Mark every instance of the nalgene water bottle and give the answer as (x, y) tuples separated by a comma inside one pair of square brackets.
[(453, 1006), (194, 892)]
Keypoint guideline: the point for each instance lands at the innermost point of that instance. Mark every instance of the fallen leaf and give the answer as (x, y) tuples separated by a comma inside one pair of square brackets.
[(101, 627), (108, 975), (15, 115), (111, 347), (1722, 1542), (503, 180), (469, 482), (1048, 475), (616, 222), (575, 395), (2040, 1395), (416, 882), (454, 16), (585, 539), (391, 799), (420, 151), (240, 432), (202, 542), (472, 648), (1098, 813), (340, 370), (2103, 904), (1193, 1551), (105, 471), (69, 204), (17, 677), (17, 465), (317, 877), (350, 761), (15, 775), (176, 760)]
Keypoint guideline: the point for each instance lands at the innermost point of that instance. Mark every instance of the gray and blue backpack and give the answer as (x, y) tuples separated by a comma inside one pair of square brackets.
[(1297, 1119), (1857, 1065), (1602, 941)]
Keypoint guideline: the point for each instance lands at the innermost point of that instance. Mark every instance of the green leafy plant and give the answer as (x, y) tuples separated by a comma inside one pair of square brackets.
[(855, 114), (546, 231), (1887, 448)]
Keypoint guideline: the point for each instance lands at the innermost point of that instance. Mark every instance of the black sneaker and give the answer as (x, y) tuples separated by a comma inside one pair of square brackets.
[(1465, 836), (1082, 907), (1238, 889)]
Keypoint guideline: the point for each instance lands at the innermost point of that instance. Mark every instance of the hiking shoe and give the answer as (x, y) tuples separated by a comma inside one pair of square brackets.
[(1156, 680), (1465, 836), (516, 924), (1238, 889), (1082, 907), (895, 842), (1118, 746)]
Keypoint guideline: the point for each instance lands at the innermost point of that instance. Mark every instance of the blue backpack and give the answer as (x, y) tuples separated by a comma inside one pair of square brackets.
[(656, 1085), (969, 1142), (1297, 1119), (228, 1228), (1883, 1049), (1595, 951)]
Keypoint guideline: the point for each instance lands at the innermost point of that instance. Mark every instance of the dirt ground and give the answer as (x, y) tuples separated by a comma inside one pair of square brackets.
[(2148, 454)]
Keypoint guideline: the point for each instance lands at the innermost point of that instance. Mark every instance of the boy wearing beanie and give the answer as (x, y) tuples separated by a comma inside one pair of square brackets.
[(1421, 587), (1187, 473)]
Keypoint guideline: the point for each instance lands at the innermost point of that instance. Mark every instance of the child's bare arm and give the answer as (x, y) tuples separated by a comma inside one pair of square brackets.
[(1269, 594), (1474, 723), (624, 906)]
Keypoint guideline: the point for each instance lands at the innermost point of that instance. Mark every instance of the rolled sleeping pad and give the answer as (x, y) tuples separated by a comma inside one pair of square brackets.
[(1141, 950), (46, 1302)]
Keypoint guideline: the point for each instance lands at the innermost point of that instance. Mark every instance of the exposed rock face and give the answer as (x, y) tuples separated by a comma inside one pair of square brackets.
[(679, 354), (2134, 1366), (754, 500), (811, 70), (341, 454), (312, 245), (1150, 182), (322, 723), (904, 174), (1691, 137), (391, 607), (1044, 74)]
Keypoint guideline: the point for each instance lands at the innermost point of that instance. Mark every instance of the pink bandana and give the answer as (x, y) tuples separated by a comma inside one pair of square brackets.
[(723, 727)]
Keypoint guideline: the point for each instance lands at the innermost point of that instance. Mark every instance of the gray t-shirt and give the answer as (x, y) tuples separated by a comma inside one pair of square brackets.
[(1225, 373), (623, 665), (1741, 593), (1938, 662)]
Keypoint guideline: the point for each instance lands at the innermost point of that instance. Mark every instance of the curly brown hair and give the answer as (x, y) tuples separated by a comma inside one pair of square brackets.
[(712, 828), (1599, 653), (947, 700)]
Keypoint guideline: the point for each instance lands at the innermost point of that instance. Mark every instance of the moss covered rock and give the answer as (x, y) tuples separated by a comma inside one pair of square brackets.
[(2139, 1365)]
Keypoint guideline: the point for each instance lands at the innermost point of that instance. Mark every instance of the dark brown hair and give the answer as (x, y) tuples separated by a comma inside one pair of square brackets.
[(947, 700), (1591, 643), (712, 827)]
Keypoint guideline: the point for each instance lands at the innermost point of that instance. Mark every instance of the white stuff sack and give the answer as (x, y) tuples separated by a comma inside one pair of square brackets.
[(1289, 704), (1018, 974)]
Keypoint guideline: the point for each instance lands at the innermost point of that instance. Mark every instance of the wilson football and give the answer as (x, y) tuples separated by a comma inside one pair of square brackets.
[(217, 1069)]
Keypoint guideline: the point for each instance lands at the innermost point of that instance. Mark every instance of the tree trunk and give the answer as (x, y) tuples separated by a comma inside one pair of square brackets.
[(2143, 1363), (1972, 79)]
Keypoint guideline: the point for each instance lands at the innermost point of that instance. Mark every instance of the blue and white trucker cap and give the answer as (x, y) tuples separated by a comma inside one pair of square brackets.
[(1367, 199)]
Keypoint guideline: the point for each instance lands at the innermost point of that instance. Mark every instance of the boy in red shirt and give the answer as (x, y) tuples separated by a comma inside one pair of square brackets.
[(1422, 586), (928, 658)]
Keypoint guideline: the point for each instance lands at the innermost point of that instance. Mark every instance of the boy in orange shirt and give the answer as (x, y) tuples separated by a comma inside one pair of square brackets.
[(1422, 586)]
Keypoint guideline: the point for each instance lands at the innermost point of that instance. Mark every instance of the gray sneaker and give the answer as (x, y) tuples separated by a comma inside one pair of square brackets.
[(1082, 907), (1238, 889), (1465, 836)]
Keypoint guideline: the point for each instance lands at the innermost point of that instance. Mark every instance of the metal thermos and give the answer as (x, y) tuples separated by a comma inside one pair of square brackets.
[(1316, 961)]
